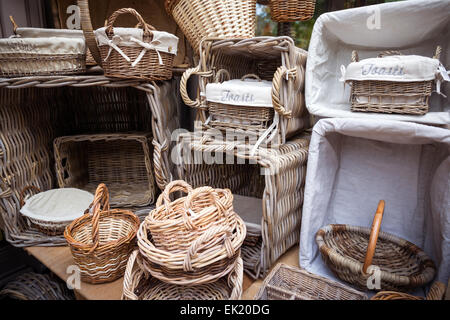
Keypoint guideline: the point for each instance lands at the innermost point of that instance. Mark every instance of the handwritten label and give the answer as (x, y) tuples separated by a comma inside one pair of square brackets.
[(228, 96), (371, 69)]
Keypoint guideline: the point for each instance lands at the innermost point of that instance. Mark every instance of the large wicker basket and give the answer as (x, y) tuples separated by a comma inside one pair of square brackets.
[(291, 10), (288, 283), (144, 59), (102, 241), (121, 160), (199, 19), (350, 251)]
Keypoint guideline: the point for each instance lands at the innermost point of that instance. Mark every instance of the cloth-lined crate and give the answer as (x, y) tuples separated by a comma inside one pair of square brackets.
[(337, 34), (120, 160), (200, 19), (102, 239), (37, 51), (273, 178), (291, 10), (36, 110), (139, 284), (280, 114), (144, 54), (289, 283), (353, 163)]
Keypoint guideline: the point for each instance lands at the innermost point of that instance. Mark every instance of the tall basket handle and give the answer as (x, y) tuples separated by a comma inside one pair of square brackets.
[(25, 190), (205, 240), (88, 32), (251, 75), (14, 24), (145, 26), (278, 77), (376, 225), (131, 279), (99, 205), (174, 186)]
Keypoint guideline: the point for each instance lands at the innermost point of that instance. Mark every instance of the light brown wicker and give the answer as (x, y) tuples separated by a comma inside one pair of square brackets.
[(122, 161), (176, 225), (36, 110), (390, 96), (102, 241), (199, 19), (349, 252), (436, 292), (138, 284), (274, 59), (292, 10), (275, 176), (289, 283), (148, 67)]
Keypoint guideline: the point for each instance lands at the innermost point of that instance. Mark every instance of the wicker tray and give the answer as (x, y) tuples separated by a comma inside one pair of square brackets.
[(288, 283), (122, 161)]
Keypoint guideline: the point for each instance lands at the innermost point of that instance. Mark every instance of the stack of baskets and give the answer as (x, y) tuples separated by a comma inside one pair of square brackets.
[(191, 244)]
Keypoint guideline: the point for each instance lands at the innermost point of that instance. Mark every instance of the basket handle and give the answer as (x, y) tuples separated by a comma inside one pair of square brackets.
[(145, 26), (437, 291), (204, 240), (25, 190), (251, 75), (437, 55), (389, 53), (88, 32), (355, 56), (376, 225), (278, 77), (220, 73), (174, 186), (99, 205), (130, 281), (183, 87), (14, 24)]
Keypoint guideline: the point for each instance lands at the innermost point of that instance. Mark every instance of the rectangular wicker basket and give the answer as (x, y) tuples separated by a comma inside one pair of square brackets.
[(288, 283), (122, 161)]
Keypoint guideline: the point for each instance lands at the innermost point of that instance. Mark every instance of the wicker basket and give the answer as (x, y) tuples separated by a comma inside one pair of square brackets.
[(288, 283), (436, 292), (121, 160), (30, 52), (390, 96), (199, 19), (146, 59), (102, 241), (174, 226), (349, 251), (292, 10), (138, 284)]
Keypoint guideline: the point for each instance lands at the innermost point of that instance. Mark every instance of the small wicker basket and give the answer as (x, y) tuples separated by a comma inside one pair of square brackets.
[(349, 251), (436, 292), (292, 10), (288, 283), (102, 241), (138, 284)]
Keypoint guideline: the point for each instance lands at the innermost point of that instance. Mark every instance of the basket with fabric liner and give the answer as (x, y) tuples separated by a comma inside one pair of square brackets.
[(51, 211), (38, 51), (289, 283), (199, 19), (121, 160), (138, 284), (291, 10), (136, 53), (349, 252), (437, 292), (102, 240)]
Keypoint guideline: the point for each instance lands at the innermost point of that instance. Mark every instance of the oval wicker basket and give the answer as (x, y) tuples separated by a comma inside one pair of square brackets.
[(138, 284), (175, 225), (349, 252), (199, 19), (436, 292), (292, 10), (102, 241)]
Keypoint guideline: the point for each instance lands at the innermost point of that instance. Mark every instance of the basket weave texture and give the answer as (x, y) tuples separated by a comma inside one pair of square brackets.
[(291, 10), (437, 292)]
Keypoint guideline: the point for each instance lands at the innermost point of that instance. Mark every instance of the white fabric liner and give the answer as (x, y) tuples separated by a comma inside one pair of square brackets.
[(248, 92), (57, 205), (414, 27), (394, 68), (354, 163)]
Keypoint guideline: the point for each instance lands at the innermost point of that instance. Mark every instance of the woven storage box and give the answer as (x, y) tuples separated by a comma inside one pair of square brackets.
[(122, 161), (35, 51), (356, 162), (272, 178), (102, 240), (437, 292), (138, 284), (144, 53), (36, 110), (337, 34), (199, 19), (288, 283), (291, 10), (275, 59)]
